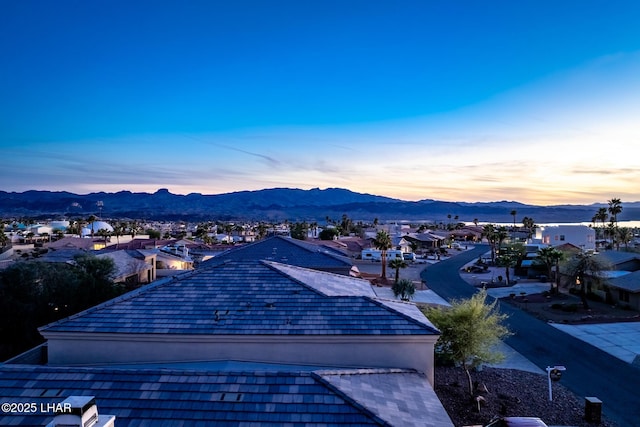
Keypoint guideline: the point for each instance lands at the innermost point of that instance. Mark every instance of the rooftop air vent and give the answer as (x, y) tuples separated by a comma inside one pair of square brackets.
[(80, 411)]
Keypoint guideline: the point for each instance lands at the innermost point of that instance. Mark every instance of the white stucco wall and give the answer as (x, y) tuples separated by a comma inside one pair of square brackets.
[(581, 236)]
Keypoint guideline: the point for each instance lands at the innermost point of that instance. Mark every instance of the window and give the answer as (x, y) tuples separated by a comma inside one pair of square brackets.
[(562, 237), (623, 295)]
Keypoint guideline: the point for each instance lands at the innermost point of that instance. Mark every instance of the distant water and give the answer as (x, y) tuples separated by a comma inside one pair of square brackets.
[(630, 224)]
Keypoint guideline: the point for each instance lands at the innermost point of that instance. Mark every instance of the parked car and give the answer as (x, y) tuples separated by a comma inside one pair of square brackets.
[(517, 422)]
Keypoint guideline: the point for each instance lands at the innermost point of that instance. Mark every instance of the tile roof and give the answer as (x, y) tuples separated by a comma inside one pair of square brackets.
[(629, 282), (187, 398), (391, 395), (288, 251), (247, 298), (617, 257)]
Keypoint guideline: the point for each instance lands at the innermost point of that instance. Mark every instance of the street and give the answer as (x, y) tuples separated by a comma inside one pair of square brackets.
[(590, 371)]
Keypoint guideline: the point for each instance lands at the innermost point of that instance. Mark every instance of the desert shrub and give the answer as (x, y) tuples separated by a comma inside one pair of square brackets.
[(570, 308)]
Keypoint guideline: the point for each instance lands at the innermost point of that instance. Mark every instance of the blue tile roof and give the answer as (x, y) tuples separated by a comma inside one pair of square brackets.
[(188, 398), (247, 298), (287, 251)]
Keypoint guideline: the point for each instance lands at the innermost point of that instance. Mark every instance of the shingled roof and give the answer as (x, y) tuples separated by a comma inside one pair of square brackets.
[(251, 298), (171, 397)]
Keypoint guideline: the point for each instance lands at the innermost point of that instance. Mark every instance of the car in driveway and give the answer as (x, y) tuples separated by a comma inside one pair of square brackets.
[(517, 422)]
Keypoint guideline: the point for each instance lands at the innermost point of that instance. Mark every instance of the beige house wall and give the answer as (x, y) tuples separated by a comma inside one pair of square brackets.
[(407, 351)]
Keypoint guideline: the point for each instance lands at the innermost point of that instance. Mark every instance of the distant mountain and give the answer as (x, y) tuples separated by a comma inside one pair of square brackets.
[(281, 204)]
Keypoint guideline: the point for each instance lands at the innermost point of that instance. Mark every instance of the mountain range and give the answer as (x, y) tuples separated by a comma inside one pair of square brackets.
[(284, 204)]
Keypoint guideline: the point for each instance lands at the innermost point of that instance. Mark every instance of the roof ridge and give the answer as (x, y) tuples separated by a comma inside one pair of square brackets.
[(268, 264), (354, 403), (380, 303)]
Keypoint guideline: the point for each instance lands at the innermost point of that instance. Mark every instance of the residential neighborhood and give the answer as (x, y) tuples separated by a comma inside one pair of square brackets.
[(266, 307)]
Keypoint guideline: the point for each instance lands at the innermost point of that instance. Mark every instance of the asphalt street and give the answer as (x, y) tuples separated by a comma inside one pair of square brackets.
[(590, 371)]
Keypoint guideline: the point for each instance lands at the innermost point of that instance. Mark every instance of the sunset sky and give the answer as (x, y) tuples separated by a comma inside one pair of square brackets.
[(533, 101)]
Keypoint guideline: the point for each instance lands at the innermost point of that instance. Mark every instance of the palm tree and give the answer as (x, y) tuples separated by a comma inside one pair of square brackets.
[(489, 231), (551, 257), (513, 213), (602, 215), (397, 264), (625, 236), (90, 221), (529, 224), (382, 241), (615, 207), (508, 259), (583, 267)]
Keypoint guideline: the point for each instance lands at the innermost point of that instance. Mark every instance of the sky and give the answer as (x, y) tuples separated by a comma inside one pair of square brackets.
[(531, 101)]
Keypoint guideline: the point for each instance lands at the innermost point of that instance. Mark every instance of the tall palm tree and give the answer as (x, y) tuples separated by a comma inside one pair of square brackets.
[(489, 232), (529, 224), (615, 207), (551, 257), (90, 221), (513, 213), (382, 241), (397, 264), (602, 215)]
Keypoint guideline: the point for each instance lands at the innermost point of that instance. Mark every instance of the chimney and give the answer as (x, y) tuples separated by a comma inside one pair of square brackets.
[(80, 411)]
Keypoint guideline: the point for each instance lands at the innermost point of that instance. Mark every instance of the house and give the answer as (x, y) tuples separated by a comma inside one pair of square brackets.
[(259, 311), (424, 241), (132, 267), (229, 394), (69, 242), (291, 251), (581, 236), (623, 279), (236, 342)]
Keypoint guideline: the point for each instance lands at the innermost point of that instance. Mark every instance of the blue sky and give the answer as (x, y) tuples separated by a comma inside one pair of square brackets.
[(534, 101)]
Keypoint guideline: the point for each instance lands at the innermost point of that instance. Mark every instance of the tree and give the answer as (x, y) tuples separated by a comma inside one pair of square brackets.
[(33, 294), (615, 208), (602, 215), (382, 241), (625, 236), (513, 213), (550, 257), (509, 258), (299, 230), (403, 288), (470, 329), (585, 270), (90, 222), (489, 232), (153, 234), (529, 224), (397, 264), (328, 234)]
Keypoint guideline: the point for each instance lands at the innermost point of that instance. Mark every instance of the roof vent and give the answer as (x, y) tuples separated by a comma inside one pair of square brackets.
[(80, 411)]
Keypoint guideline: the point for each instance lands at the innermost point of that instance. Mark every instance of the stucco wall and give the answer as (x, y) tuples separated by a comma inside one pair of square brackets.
[(414, 352)]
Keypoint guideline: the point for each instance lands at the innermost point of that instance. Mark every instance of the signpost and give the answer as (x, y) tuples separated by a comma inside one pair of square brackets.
[(554, 373)]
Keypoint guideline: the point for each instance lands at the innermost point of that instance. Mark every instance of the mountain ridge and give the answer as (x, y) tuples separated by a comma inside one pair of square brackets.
[(283, 204)]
